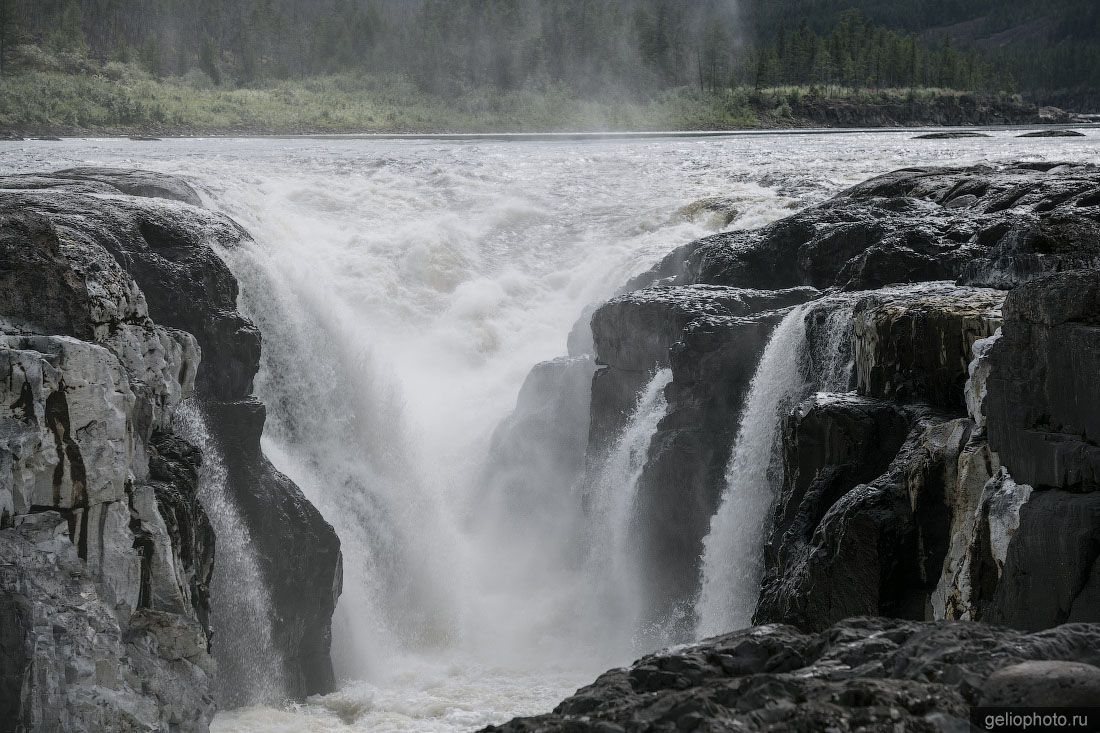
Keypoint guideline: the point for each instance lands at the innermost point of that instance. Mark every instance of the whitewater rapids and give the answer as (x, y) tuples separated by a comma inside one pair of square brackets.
[(404, 290)]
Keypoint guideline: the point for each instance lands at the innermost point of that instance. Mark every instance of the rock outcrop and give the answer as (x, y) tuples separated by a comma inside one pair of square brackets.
[(112, 289), (860, 675), (949, 474)]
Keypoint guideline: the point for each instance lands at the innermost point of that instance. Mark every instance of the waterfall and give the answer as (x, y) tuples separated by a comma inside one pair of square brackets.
[(793, 364), (250, 668), (611, 497)]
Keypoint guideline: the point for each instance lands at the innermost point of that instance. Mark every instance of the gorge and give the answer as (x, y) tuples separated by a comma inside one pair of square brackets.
[(502, 450)]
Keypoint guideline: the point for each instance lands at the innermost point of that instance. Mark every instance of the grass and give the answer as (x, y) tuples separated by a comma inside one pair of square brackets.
[(118, 99)]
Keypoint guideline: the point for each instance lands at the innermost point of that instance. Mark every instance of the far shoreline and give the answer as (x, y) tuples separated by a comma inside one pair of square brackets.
[(530, 136)]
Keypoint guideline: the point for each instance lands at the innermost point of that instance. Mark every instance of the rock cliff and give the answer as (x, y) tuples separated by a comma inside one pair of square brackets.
[(115, 309), (938, 463)]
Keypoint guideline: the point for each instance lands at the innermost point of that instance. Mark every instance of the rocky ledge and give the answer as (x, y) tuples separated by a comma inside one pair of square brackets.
[(116, 309), (937, 461), (869, 674)]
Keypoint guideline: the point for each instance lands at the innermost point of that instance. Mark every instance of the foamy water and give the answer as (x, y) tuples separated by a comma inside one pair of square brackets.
[(404, 290)]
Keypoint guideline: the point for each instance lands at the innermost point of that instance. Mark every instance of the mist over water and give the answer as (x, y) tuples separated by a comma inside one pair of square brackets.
[(404, 290)]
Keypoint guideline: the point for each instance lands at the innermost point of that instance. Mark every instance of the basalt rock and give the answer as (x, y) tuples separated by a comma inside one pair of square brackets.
[(915, 344), (108, 301), (861, 674), (1043, 390), (982, 226)]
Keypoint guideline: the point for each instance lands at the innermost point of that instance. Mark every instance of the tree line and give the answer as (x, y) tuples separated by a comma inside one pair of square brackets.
[(593, 47)]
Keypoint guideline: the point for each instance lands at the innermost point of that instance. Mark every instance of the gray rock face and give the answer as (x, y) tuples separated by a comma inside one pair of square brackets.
[(861, 674), (915, 344), (1043, 390), (105, 552), (108, 302), (956, 481), (1043, 684), (712, 338), (981, 226), (839, 545)]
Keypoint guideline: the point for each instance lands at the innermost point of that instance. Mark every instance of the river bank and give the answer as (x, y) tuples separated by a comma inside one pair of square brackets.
[(130, 104)]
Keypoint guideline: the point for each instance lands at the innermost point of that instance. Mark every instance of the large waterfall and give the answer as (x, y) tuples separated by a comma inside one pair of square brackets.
[(405, 290)]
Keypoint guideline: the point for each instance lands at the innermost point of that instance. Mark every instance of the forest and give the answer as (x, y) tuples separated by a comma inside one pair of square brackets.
[(590, 46), (273, 66)]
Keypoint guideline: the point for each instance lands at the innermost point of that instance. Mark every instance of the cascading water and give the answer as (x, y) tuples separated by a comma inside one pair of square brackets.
[(732, 555), (404, 290), (611, 503), (791, 366), (250, 669)]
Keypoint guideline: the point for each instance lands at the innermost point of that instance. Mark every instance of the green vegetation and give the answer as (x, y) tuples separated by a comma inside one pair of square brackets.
[(416, 65), (125, 99)]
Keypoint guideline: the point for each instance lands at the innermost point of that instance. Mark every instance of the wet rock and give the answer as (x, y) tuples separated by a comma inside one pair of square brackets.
[(685, 472), (100, 525), (861, 674), (843, 542), (949, 135), (633, 336), (1049, 557), (983, 226), (1053, 133), (1042, 388), (304, 584), (914, 344), (1043, 684), (109, 302), (108, 180)]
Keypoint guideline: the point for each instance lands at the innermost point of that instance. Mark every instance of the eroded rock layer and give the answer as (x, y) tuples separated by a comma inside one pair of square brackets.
[(938, 462), (115, 309)]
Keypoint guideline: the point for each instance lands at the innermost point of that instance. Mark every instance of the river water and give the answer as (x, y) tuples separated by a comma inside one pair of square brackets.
[(404, 289)]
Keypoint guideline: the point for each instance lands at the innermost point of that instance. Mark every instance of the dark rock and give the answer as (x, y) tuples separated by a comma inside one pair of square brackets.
[(634, 334), (914, 344), (1043, 684), (949, 135), (861, 674), (1053, 133), (831, 444), (982, 226), (844, 538), (1050, 572), (113, 180), (684, 477), (1043, 390)]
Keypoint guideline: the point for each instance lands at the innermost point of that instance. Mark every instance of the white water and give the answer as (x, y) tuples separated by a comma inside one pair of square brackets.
[(240, 604), (791, 366), (404, 289), (733, 550), (615, 572)]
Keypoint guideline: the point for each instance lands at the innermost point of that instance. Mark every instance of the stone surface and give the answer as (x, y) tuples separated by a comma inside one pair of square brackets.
[(1043, 388), (110, 303), (1043, 684), (831, 445), (983, 226), (859, 675), (915, 344), (105, 551)]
